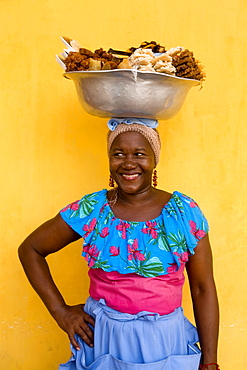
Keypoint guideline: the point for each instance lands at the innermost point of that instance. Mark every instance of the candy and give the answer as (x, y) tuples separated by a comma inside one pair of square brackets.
[(150, 56)]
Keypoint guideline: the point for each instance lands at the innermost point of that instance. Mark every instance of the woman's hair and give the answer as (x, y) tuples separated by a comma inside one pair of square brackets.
[(150, 134)]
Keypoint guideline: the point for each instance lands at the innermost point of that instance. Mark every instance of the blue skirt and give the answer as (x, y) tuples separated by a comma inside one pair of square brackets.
[(145, 341)]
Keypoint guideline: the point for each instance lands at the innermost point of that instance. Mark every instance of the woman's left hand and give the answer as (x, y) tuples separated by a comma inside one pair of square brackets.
[(74, 320)]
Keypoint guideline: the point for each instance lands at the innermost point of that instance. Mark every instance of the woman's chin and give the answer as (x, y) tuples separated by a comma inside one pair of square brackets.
[(133, 187)]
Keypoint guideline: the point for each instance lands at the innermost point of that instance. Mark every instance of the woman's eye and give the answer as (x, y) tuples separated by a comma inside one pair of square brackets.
[(139, 154), (118, 154)]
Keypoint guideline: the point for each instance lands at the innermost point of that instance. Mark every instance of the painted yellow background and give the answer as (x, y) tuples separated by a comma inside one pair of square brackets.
[(52, 152)]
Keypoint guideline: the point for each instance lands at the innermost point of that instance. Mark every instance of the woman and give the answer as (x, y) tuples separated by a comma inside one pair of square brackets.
[(137, 241)]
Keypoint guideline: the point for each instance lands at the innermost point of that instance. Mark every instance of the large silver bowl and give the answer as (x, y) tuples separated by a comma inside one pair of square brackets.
[(130, 93)]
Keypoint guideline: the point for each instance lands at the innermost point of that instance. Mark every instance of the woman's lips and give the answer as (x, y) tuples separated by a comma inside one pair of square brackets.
[(130, 177)]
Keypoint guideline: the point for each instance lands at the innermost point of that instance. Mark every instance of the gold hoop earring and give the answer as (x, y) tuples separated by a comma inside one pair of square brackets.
[(111, 182), (155, 179)]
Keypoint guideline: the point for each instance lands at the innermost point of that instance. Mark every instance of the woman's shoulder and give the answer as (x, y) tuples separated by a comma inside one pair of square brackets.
[(84, 206), (184, 220), (97, 195), (176, 196), (182, 205)]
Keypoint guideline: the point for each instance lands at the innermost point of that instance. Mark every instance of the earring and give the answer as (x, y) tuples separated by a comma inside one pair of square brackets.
[(155, 178), (111, 182)]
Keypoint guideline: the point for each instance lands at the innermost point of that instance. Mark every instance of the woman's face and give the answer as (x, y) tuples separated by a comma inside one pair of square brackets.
[(132, 162)]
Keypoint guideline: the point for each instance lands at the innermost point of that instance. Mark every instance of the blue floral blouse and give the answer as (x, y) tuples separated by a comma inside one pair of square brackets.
[(156, 247)]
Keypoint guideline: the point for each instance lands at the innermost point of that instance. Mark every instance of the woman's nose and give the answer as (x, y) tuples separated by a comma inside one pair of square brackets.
[(129, 162)]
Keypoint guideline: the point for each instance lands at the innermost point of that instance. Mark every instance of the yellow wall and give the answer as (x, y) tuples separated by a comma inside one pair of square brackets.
[(52, 152)]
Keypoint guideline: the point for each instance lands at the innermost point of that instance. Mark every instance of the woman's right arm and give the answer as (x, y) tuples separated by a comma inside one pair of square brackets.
[(49, 238)]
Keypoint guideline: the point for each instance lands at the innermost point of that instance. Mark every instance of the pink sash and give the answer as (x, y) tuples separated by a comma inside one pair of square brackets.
[(131, 293)]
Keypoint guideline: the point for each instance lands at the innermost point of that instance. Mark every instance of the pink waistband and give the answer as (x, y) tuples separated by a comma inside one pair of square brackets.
[(131, 293)]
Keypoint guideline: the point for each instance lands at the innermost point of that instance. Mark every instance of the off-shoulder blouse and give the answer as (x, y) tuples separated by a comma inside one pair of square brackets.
[(149, 248)]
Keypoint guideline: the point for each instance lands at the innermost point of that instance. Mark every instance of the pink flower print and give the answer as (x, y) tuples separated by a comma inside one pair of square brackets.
[(102, 208), (134, 252), (192, 226), (150, 229), (183, 257), (92, 254), (89, 228), (65, 208), (193, 204), (123, 226), (172, 268), (74, 206), (114, 251), (199, 234), (104, 232)]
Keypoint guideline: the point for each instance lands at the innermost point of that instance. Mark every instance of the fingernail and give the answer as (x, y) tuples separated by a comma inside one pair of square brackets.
[(78, 348)]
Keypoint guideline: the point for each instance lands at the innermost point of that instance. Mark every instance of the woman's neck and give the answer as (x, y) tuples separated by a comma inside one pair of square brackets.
[(145, 196)]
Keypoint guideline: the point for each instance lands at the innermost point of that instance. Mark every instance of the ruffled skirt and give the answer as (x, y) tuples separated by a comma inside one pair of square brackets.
[(145, 341)]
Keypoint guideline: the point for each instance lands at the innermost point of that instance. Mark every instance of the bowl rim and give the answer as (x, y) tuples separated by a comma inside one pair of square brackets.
[(134, 72)]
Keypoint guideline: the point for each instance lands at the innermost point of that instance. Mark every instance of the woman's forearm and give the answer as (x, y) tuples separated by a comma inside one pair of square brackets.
[(39, 276), (48, 238), (206, 311), (72, 319), (205, 302)]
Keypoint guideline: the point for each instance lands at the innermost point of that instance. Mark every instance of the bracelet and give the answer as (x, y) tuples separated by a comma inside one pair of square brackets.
[(205, 366)]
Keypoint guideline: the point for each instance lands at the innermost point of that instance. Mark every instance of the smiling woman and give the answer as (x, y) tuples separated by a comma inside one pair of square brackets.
[(131, 162), (137, 242)]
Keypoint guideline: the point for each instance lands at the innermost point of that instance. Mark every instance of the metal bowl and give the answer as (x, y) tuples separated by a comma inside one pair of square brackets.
[(130, 93)]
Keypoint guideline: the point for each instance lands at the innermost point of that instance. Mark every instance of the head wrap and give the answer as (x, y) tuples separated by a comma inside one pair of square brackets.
[(113, 122), (149, 133)]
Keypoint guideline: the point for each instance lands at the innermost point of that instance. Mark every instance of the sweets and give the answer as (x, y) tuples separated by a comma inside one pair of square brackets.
[(85, 59), (187, 66), (150, 56), (156, 48), (146, 60)]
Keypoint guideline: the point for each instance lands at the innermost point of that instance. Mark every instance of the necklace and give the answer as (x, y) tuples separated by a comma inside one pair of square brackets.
[(114, 197)]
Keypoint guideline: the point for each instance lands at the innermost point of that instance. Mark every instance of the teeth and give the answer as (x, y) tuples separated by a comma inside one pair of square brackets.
[(130, 177)]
